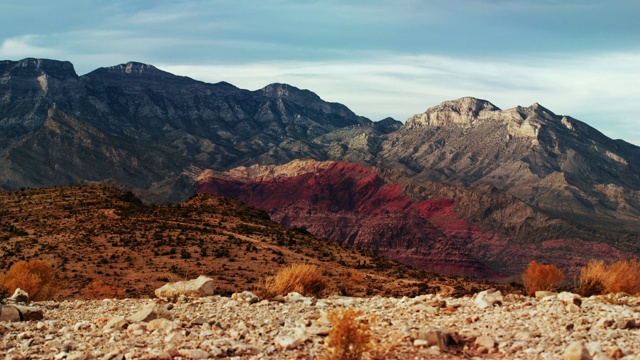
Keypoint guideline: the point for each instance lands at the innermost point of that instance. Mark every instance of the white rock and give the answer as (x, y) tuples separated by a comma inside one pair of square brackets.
[(576, 351), (570, 298), (294, 297), (488, 298), (419, 342), (246, 296), (202, 286), (485, 341), (285, 342), (116, 322), (161, 324), (150, 312), (543, 294)]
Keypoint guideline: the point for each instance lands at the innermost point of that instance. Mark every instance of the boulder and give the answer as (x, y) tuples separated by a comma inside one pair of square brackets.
[(202, 286), (150, 312), (488, 298), (10, 313), (30, 312)]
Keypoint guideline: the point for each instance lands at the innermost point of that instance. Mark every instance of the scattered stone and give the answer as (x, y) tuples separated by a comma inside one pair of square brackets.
[(420, 342), (543, 294), (570, 298), (208, 327), (10, 313), (245, 296), (174, 338), (576, 351), (285, 342), (294, 297), (19, 297), (485, 342), (202, 286), (161, 324), (615, 352), (30, 313), (488, 298), (627, 324), (116, 322), (150, 312), (194, 354), (572, 308), (436, 337), (604, 323)]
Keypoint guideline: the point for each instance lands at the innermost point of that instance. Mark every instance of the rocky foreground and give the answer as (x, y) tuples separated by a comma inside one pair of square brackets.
[(487, 325)]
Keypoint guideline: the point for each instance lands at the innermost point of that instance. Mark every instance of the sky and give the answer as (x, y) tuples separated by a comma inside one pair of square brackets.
[(378, 57)]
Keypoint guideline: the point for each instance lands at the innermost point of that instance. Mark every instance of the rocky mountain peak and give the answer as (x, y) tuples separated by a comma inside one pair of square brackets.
[(31, 67), (134, 68), (285, 91), (463, 111)]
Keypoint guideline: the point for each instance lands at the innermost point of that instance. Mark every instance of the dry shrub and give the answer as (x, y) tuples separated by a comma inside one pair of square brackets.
[(350, 281), (302, 278), (36, 277), (350, 336), (97, 289), (598, 278), (540, 277)]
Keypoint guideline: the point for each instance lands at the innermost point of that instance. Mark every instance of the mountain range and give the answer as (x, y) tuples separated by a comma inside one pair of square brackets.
[(468, 188)]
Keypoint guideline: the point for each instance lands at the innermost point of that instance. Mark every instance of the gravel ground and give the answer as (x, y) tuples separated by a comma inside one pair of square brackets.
[(555, 326)]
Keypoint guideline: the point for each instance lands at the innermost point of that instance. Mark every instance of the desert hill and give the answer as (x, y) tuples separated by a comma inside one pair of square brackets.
[(470, 231), (98, 232)]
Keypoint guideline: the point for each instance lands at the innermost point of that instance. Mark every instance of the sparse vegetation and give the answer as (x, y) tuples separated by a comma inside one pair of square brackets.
[(98, 289), (540, 277), (36, 277), (598, 278), (350, 337), (302, 278)]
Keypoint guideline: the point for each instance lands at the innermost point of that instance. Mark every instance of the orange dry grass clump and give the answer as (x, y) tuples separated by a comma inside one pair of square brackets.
[(302, 278), (540, 277), (598, 278), (97, 289), (350, 336), (36, 277)]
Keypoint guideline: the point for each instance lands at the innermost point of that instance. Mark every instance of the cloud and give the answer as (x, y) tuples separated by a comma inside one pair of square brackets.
[(23, 47)]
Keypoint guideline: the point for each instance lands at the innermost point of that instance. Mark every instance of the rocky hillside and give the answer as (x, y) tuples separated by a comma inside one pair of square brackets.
[(479, 232), (104, 233), (555, 163), (144, 127)]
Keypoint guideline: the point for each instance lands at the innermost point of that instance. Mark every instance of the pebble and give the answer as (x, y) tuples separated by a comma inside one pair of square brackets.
[(417, 328)]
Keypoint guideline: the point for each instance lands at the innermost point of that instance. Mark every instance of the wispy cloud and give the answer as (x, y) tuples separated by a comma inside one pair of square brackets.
[(23, 46)]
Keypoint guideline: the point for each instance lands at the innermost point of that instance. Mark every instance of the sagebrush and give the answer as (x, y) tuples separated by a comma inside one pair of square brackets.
[(36, 277), (350, 337), (541, 277), (598, 278), (98, 289), (305, 279)]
